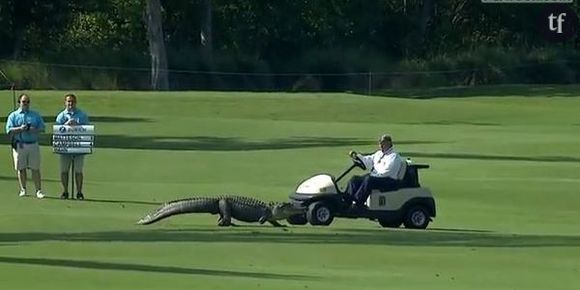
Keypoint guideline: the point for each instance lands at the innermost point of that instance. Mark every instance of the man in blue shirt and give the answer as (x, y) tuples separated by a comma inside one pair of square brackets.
[(71, 115), (24, 127)]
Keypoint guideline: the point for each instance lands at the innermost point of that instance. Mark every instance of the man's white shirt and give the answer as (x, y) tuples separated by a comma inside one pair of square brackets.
[(383, 164)]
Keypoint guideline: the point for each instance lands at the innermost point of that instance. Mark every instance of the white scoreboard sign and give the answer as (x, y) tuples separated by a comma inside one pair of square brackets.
[(73, 139)]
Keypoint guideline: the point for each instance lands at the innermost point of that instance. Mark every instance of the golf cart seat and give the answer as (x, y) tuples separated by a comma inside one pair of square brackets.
[(407, 176), (411, 176)]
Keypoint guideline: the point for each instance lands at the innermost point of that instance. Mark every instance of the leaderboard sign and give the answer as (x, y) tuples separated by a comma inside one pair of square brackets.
[(78, 139)]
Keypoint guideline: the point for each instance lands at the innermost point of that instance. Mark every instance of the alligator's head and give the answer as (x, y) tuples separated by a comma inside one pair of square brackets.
[(283, 210)]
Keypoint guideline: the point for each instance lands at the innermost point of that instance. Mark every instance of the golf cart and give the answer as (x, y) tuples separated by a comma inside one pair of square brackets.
[(410, 204)]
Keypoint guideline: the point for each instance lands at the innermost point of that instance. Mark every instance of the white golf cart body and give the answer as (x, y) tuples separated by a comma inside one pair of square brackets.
[(411, 204), (377, 200)]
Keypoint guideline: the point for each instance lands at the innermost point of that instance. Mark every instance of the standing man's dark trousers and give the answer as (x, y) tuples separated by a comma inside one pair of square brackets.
[(360, 187)]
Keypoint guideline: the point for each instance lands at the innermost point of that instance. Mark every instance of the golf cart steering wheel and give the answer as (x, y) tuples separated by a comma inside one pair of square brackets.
[(357, 161)]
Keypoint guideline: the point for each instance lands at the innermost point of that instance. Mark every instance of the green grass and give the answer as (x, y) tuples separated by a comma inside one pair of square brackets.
[(504, 170)]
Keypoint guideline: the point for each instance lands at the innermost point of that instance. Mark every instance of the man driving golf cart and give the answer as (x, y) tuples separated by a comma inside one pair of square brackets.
[(390, 194), (386, 167)]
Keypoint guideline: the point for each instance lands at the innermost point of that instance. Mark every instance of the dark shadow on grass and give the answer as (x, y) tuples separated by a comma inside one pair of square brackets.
[(49, 120), (451, 123), (83, 264), (120, 202), (459, 230), (371, 231), (492, 157), (261, 234), (8, 177), (479, 91), (208, 143), (203, 143), (14, 178)]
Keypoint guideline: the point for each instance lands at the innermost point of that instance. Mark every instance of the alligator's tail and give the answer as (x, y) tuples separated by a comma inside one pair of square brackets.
[(192, 205)]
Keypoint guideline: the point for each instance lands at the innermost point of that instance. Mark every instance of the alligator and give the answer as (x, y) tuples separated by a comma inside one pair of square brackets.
[(241, 208)]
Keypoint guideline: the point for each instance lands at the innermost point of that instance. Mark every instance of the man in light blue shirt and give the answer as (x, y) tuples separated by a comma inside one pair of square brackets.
[(72, 116), (24, 127)]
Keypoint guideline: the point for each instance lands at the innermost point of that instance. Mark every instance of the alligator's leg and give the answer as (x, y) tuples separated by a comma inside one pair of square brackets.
[(263, 219), (266, 214), (225, 213)]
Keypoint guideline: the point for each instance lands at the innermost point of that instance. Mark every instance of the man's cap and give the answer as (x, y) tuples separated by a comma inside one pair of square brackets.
[(385, 138)]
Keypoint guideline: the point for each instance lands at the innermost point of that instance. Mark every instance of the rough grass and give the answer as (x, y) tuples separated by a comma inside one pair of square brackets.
[(503, 168)]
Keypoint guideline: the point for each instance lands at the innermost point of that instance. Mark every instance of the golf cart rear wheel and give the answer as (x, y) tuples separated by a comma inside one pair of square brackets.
[(297, 219), (417, 217), (387, 223), (319, 214)]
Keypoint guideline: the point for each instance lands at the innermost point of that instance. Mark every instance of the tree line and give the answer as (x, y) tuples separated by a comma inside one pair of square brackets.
[(310, 36)]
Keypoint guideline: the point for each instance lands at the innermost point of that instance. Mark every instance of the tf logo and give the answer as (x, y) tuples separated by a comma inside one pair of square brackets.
[(557, 22)]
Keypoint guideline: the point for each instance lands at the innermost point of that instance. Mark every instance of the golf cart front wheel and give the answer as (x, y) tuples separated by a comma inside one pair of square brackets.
[(297, 219), (417, 217), (319, 214)]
